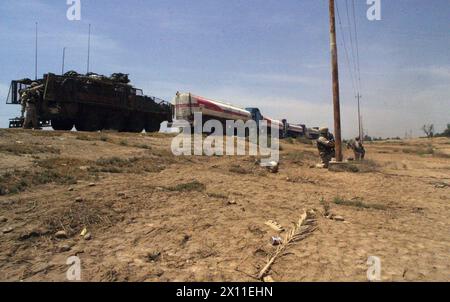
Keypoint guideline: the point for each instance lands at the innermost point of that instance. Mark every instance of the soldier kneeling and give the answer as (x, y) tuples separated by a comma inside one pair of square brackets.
[(326, 147)]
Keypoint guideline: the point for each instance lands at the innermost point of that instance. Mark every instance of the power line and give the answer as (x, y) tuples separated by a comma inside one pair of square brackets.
[(358, 96), (349, 23), (354, 66), (349, 66), (357, 46)]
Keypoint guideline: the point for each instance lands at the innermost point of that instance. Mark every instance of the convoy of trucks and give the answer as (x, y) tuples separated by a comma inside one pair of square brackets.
[(187, 104), (95, 102)]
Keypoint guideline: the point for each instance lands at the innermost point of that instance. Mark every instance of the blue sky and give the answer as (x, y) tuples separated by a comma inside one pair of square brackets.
[(269, 54)]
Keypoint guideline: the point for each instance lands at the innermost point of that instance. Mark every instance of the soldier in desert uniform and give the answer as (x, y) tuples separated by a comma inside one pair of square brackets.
[(30, 98), (326, 147), (23, 103), (358, 148)]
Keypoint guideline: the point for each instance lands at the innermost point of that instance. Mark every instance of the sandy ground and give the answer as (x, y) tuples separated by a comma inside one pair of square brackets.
[(156, 217)]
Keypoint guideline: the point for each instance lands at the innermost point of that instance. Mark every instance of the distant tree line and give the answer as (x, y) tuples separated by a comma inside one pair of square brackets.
[(427, 129), (446, 132), (430, 132)]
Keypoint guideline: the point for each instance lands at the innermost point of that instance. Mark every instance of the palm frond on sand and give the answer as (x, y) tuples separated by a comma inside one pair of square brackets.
[(301, 230)]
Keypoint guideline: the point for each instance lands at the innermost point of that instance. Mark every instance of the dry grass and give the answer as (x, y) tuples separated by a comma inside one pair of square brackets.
[(17, 181), (419, 151), (143, 146), (21, 149), (240, 170), (86, 137), (358, 203), (135, 165), (299, 157), (193, 186), (217, 195), (305, 141), (440, 154), (77, 216), (365, 166), (44, 133), (69, 170)]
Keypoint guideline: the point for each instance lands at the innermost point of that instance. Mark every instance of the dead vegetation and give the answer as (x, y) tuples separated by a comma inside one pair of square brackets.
[(364, 166), (299, 157), (107, 137), (301, 230), (137, 165), (197, 220), (18, 181), (419, 151), (77, 216), (240, 170), (22, 149), (426, 150), (301, 180), (440, 154), (64, 171), (217, 195), (358, 203), (193, 186)]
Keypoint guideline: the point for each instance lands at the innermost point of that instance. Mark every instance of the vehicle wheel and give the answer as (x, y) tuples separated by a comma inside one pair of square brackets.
[(115, 121), (153, 124), (62, 124), (136, 123), (89, 121)]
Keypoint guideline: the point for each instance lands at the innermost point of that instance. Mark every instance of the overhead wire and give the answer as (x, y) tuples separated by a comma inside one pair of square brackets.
[(349, 65)]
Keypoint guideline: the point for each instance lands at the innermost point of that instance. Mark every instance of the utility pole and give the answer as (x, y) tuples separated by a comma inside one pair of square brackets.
[(359, 116), (63, 60), (363, 131), (36, 54), (89, 49), (335, 73)]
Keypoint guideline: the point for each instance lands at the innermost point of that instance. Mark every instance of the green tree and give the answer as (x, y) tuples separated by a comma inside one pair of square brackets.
[(447, 131)]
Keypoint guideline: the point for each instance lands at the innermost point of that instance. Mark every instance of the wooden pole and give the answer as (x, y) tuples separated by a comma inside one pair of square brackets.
[(359, 117), (63, 61), (89, 49), (335, 74), (36, 54)]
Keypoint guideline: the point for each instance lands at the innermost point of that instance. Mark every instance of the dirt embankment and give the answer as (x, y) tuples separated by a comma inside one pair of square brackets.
[(156, 217)]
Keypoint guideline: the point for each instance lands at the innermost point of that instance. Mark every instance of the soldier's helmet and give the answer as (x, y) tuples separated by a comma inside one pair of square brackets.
[(357, 139), (323, 130), (34, 84)]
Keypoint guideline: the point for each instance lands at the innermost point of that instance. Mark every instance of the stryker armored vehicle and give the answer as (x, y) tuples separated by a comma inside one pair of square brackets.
[(91, 102)]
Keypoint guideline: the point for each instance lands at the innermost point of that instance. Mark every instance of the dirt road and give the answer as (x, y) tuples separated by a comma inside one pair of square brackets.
[(156, 217)]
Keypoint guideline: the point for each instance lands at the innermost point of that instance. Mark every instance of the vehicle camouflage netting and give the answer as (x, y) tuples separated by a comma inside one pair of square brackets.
[(116, 77)]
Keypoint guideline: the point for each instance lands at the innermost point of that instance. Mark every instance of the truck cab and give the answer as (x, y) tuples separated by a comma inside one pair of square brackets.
[(256, 114)]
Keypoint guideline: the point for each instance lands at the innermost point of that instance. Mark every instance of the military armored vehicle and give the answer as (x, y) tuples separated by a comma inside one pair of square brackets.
[(92, 102)]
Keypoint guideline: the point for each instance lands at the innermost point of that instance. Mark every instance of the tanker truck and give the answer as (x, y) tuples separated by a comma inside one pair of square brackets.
[(187, 104), (91, 102)]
